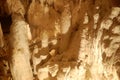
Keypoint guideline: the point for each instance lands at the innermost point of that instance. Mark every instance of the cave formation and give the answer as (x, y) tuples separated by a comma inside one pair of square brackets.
[(59, 40)]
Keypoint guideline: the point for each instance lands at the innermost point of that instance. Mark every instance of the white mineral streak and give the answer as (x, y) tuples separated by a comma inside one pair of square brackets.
[(34, 59), (20, 66), (1, 37), (86, 19), (83, 45), (66, 70), (97, 66), (96, 17), (37, 60), (66, 20), (85, 49), (36, 49), (115, 12), (72, 75), (95, 56), (44, 39), (96, 45), (57, 28), (29, 35), (105, 37)]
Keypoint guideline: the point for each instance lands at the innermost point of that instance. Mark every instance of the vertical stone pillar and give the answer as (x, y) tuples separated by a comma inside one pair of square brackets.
[(20, 59)]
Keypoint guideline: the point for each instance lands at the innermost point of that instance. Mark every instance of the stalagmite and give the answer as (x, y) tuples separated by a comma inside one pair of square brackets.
[(20, 55)]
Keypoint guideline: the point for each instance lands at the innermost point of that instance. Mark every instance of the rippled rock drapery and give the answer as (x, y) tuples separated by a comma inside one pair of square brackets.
[(71, 39)]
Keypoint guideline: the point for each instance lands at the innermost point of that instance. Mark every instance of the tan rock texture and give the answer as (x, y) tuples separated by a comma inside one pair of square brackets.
[(60, 40)]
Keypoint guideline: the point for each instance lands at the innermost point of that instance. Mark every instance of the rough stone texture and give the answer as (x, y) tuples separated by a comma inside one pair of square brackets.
[(20, 55), (71, 39)]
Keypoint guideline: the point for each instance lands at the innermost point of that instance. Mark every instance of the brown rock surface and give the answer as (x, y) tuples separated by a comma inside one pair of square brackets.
[(60, 39)]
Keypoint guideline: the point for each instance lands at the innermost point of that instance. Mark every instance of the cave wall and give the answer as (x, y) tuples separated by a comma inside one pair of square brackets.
[(71, 39)]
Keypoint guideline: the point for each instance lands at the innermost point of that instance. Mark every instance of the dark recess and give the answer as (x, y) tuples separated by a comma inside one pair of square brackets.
[(6, 21)]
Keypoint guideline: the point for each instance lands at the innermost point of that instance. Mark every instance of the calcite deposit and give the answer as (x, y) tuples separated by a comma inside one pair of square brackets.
[(60, 40)]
